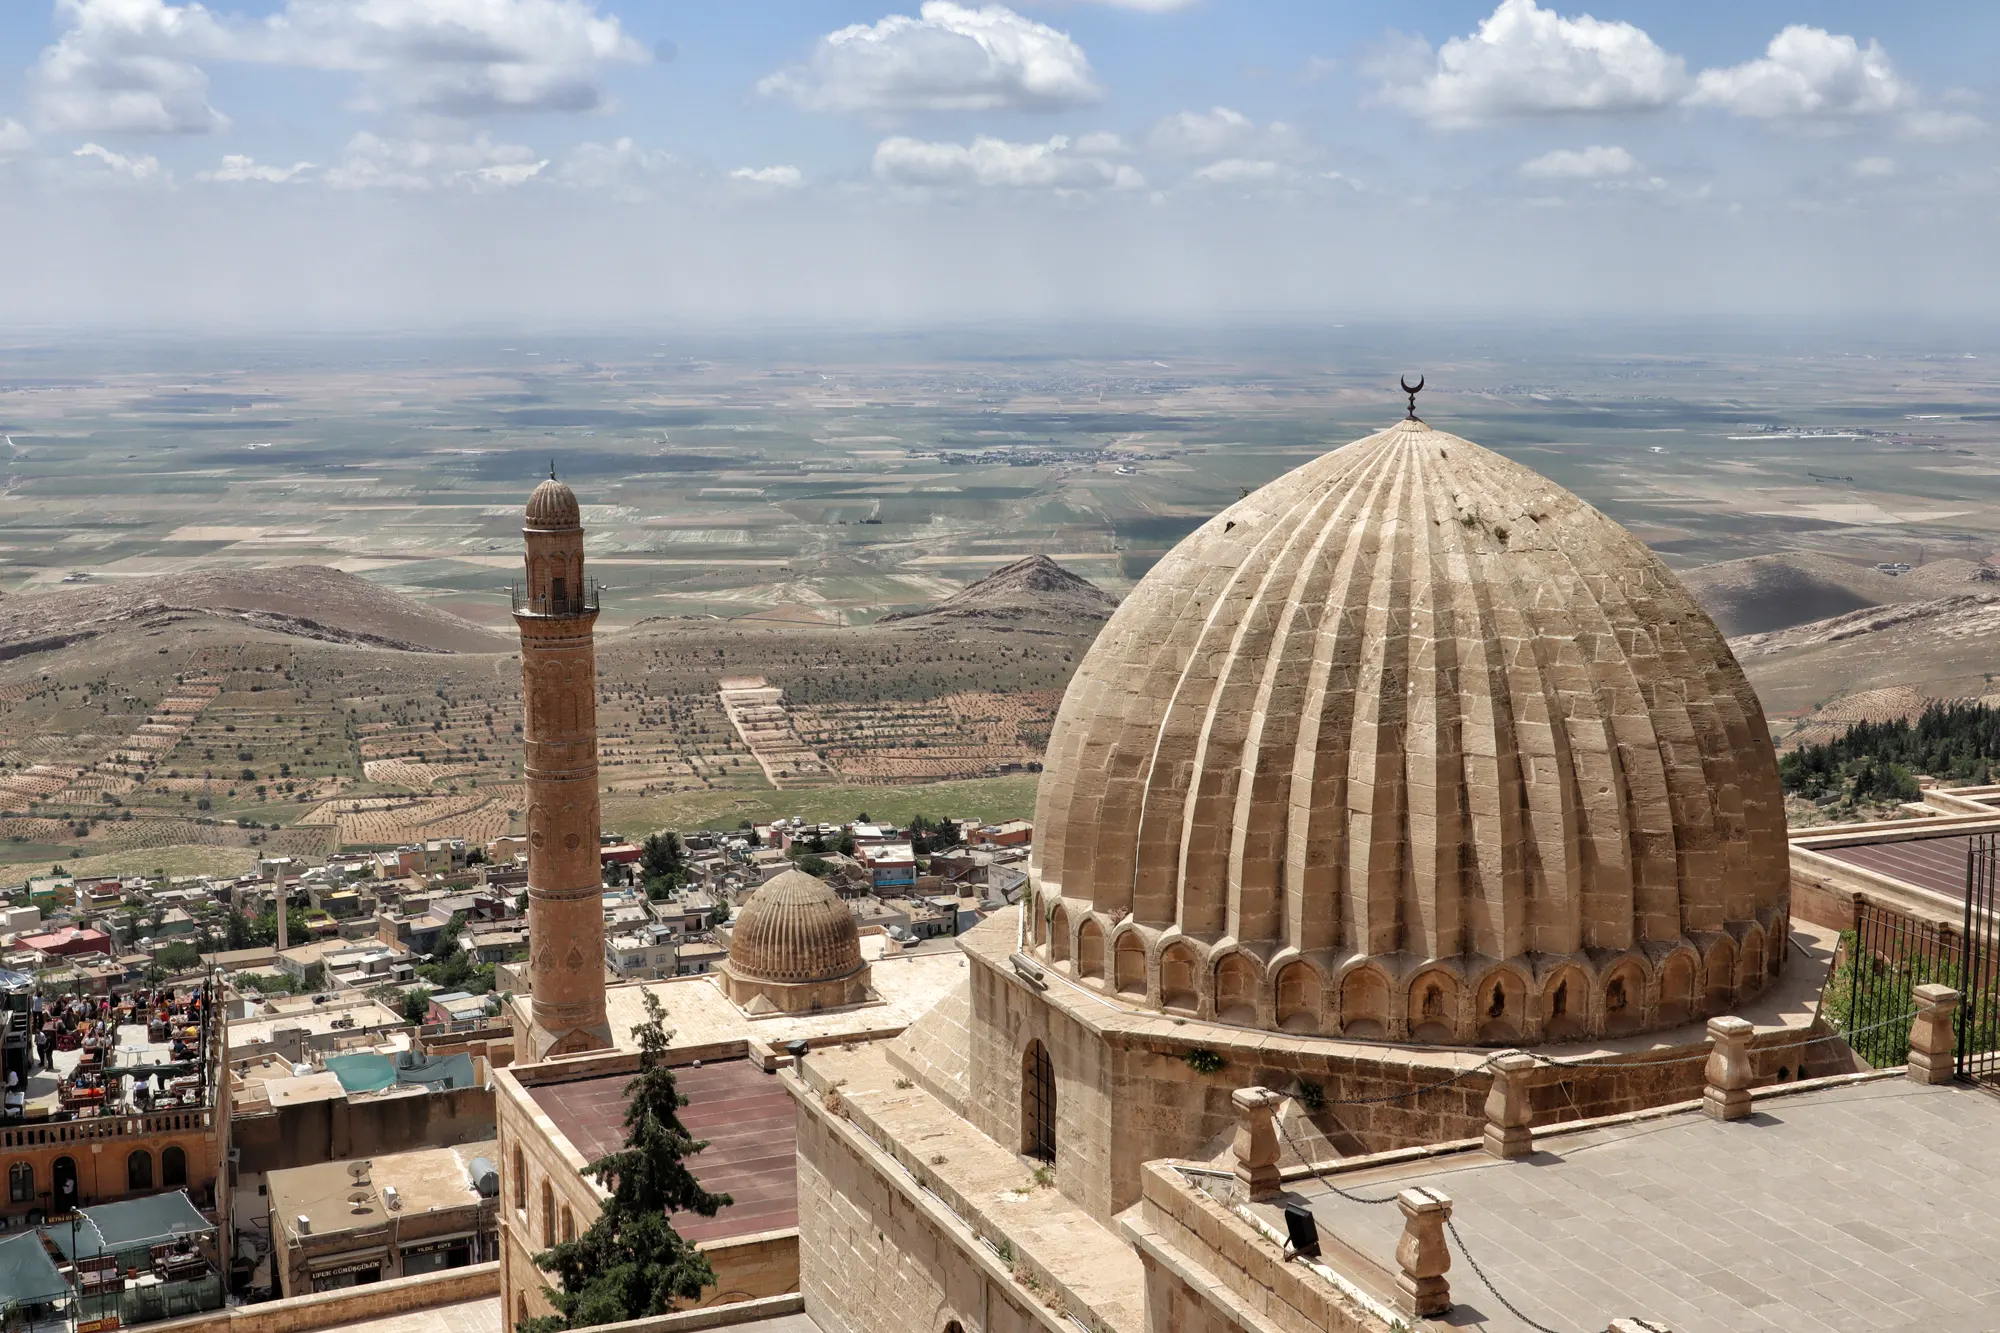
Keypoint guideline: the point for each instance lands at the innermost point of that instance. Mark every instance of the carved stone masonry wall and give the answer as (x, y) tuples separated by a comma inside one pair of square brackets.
[(559, 693)]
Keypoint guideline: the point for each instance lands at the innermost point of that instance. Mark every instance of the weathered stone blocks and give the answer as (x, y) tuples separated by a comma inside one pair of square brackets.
[(1933, 1043)]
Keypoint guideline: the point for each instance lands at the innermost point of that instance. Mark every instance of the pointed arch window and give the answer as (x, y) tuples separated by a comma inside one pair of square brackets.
[(1038, 1103)]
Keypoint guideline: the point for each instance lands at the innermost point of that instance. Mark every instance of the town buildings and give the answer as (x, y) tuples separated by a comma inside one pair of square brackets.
[(401, 1214), (111, 1098)]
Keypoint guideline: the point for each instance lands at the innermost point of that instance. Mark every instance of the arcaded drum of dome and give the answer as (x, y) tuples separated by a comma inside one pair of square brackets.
[(1413, 743), (795, 930), (553, 508)]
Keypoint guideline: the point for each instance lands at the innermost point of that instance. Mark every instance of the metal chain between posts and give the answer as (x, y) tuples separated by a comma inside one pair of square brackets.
[(1596, 1060), (1352, 1197), (1473, 1263), (1319, 1175), (1451, 1225)]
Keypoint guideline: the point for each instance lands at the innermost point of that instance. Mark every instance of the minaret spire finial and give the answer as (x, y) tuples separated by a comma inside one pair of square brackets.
[(1413, 391), (552, 469)]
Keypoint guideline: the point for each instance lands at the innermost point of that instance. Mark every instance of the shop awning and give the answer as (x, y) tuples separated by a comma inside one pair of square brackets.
[(113, 1228), (27, 1275)]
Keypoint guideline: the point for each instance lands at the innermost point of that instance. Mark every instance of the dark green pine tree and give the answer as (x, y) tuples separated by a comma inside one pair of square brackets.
[(631, 1263)]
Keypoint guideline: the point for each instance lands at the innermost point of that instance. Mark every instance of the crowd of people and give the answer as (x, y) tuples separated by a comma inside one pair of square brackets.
[(163, 1069)]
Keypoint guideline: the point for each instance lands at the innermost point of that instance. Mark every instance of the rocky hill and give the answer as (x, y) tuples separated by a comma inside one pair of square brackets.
[(1774, 592), (1943, 647), (1767, 593), (1034, 593), (305, 601)]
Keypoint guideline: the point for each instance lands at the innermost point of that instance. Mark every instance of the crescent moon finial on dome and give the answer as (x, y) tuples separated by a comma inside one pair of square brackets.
[(1413, 390)]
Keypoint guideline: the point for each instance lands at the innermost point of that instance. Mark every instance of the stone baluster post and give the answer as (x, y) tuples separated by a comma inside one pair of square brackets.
[(1727, 1096), (1509, 1117), (1257, 1141), (1421, 1254), (1933, 1044)]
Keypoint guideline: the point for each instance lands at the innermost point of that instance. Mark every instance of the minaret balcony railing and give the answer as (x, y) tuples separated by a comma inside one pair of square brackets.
[(572, 602)]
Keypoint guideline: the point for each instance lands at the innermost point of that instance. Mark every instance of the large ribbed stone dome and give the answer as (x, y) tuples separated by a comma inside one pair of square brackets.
[(795, 929), (553, 508), (1413, 743)]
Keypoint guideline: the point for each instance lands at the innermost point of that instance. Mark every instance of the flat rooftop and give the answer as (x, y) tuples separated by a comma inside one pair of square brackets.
[(367, 1015), (699, 1014), (425, 1179), (1863, 1206), (743, 1112), (1936, 863), (480, 1316)]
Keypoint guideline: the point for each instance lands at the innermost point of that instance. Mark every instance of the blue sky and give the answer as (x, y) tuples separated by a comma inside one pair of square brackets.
[(633, 160)]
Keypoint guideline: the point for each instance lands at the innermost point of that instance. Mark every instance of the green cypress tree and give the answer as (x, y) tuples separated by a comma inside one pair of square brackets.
[(631, 1263)]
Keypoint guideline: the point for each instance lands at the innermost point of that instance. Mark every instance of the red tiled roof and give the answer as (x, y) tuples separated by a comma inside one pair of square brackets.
[(747, 1118)]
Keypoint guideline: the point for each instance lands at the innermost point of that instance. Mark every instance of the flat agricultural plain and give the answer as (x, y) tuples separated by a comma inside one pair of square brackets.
[(173, 684)]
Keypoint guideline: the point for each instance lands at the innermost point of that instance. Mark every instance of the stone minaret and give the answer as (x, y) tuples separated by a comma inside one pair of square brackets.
[(557, 612)]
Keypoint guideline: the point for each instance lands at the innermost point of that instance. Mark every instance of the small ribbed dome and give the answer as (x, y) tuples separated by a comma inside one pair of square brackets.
[(1413, 705), (795, 930), (553, 508)]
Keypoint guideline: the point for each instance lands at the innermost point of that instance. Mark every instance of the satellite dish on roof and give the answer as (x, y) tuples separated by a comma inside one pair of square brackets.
[(359, 1170)]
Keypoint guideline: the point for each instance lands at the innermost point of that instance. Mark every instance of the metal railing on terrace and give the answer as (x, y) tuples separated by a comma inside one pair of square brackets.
[(561, 601), (1879, 964)]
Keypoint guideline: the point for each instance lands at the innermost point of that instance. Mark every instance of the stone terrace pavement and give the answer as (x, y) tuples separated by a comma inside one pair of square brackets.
[(480, 1316), (1871, 1206)]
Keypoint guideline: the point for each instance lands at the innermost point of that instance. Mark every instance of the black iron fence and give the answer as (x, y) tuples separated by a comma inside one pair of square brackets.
[(1889, 954), (1979, 1010)]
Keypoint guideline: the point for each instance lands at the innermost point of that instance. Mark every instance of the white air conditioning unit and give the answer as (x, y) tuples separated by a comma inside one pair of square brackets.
[(391, 1197), (305, 1225)]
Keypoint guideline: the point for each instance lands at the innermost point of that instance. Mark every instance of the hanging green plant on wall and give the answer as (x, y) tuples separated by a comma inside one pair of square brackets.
[(1204, 1061)]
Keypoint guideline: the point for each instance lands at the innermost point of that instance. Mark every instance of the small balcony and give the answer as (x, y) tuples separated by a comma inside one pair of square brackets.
[(559, 603)]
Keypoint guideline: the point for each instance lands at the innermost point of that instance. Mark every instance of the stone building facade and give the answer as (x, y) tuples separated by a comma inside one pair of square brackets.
[(546, 1198), (794, 948), (1413, 744), (1409, 757), (62, 1158)]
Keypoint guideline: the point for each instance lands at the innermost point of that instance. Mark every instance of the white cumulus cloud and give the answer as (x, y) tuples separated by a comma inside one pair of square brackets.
[(120, 166), (370, 162), (1873, 168), (949, 58), (137, 66), (995, 163), (14, 137), (1941, 126), (127, 66), (455, 57), (1807, 71), (1526, 60), (1202, 133), (238, 167), (1592, 163), (1245, 171), (778, 177), (1224, 135), (621, 168)]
